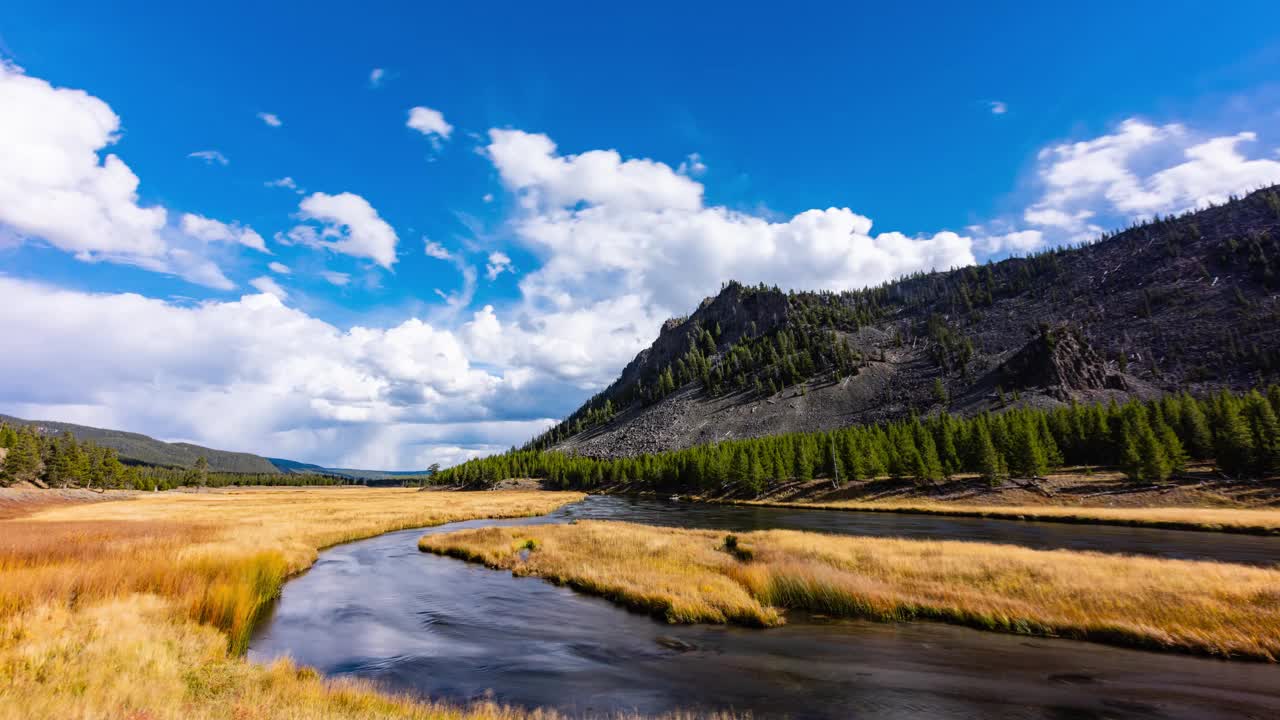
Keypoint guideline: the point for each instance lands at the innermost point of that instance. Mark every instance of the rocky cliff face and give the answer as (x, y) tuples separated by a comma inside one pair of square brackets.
[(1061, 363), (735, 311), (1188, 303)]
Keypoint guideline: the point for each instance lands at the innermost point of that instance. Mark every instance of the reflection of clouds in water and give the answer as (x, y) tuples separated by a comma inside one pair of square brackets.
[(451, 630)]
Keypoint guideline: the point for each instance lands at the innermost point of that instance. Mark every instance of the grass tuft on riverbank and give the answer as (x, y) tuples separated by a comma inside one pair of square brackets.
[(139, 608), (1206, 608)]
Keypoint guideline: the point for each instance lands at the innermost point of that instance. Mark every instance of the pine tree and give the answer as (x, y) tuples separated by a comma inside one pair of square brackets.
[(1195, 435), (903, 455), (1232, 440), (1173, 449), (928, 465), (202, 471), (8, 436), (1027, 458), (988, 460), (945, 440), (802, 463), (740, 472), (1264, 430), (939, 391), (756, 472), (1154, 462), (22, 463), (59, 468)]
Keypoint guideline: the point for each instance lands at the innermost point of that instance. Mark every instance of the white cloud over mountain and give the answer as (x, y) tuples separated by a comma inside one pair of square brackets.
[(1138, 171), (635, 238)]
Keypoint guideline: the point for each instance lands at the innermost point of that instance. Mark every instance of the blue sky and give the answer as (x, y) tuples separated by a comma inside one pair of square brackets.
[(751, 143)]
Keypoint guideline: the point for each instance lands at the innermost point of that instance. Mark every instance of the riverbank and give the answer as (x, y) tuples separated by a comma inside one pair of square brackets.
[(1229, 520), (1200, 500), (139, 608), (1217, 609), (1078, 487)]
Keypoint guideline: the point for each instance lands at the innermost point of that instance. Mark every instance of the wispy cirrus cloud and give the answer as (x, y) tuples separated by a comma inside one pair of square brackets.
[(210, 157)]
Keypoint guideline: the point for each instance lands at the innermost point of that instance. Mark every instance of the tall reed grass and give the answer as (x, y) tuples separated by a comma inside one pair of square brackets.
[(140, 608), (694, 576)]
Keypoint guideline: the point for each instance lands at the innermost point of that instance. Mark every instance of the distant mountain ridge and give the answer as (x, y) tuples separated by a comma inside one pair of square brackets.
[(1191, 302), (353, 473), (140, 449), (145, 450)]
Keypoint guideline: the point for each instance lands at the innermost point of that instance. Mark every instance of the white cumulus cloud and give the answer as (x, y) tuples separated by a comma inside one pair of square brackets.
[(58, 186), (498, 263), (607, 227), (270, 119), (1140, 170), (53, 183), (207, 230), (435, 250), (530, 166), (280, 382), (347, 224), (430, 123)]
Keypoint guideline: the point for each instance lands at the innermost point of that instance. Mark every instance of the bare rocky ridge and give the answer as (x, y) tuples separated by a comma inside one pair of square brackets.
[(1180, 304)]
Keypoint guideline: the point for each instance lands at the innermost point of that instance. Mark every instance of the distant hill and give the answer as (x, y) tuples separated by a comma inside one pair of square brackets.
[(139, 449), (1186, 303), (379, 474), (294, 466), (144, 450)]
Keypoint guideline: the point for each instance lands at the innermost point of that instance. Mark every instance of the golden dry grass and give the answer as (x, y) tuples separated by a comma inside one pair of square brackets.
[(137, 608), (1234, 520), (687, 576)]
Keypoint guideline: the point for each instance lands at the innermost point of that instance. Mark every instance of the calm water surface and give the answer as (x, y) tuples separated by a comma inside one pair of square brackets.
[(380, 609)]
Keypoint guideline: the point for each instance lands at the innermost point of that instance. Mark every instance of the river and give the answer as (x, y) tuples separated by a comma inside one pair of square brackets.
[(382, 610)]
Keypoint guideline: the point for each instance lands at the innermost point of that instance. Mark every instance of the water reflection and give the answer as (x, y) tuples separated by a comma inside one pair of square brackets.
[(379, 609)]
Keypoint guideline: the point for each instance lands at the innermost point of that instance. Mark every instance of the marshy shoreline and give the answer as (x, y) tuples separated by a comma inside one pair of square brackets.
[(689, 576)]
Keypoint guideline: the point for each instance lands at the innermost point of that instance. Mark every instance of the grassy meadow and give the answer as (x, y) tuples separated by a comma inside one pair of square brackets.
[(140, 608), (1247, 521), (700, 576)]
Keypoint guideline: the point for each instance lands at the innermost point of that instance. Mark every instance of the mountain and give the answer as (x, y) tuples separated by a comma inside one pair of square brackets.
[(293, 466), (386, 475), (1185, 303), (139, 449), (144, 450)]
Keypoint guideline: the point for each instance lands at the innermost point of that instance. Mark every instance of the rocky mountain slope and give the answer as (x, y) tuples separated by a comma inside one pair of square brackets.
[(1178, 303)]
